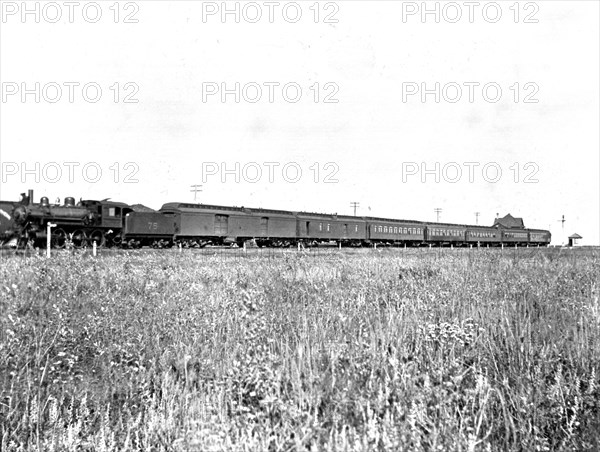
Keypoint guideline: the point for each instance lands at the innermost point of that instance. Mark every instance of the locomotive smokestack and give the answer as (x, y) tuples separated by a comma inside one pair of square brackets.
[(30, 196)]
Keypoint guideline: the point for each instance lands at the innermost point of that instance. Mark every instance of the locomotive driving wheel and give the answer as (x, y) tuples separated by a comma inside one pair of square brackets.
[(58, 238), (97, 236), (78, 238)]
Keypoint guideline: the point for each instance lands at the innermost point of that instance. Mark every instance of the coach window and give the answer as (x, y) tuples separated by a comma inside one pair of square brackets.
[(111, 212), (328, 225), (385, 229), (356, 228), (320, 226)]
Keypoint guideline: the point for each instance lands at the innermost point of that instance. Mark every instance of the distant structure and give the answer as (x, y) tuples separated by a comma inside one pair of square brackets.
[(509, 222), (573, 239)]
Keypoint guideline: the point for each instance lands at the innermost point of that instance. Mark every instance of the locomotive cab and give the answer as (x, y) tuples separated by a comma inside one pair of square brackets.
[(108, 214)]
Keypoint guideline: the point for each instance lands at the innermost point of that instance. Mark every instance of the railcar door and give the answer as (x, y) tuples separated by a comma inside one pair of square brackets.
[(264, 227), (221, 225)]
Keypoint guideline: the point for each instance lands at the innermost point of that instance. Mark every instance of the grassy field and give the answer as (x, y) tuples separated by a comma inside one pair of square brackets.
[(389, 350)]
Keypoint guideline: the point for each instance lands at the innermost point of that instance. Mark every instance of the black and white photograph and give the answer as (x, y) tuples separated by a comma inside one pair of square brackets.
[(352, 225)]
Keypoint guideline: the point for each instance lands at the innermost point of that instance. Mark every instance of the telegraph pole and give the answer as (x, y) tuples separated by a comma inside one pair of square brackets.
[(354, 205), (438, 211), (477, 217), (196, 189)]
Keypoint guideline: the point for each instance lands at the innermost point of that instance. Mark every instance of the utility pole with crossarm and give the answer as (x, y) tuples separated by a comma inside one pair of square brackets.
[(196, 189)]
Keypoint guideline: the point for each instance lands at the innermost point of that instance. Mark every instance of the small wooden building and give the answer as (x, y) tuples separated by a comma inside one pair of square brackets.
[(573, 239)]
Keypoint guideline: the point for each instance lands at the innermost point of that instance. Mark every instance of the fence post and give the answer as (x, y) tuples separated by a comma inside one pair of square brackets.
[(49, 227)]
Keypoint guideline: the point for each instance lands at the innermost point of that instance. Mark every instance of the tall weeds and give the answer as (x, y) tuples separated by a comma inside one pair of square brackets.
[(374, 351)]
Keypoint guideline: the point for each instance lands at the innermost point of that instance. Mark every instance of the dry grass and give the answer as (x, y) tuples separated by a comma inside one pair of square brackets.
[(379, 351)]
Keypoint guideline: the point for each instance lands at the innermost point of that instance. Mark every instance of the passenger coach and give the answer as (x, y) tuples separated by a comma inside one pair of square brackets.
[(396, 232)]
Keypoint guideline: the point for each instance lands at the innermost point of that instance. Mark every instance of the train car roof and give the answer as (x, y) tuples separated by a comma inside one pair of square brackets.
[(187, 207), (329, 216)]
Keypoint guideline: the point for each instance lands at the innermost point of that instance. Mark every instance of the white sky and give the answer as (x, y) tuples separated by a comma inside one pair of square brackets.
[(369, 134)]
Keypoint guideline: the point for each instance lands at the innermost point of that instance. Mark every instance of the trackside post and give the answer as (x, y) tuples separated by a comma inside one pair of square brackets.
[(49, 227)]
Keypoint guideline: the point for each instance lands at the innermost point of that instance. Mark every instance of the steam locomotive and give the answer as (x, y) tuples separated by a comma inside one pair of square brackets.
[(81, 223), (109, 223)]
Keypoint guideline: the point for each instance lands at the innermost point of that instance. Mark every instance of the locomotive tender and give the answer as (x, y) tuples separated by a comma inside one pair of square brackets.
[(111, 223)]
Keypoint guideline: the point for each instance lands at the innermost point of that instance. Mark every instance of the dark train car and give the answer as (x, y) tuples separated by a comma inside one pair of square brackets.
[(315, 228), (519, 237), (201, 224), (446, 234), (399, 232), (539, 237), (483, 236), (156, 229), (350, 230), (275, 227)]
